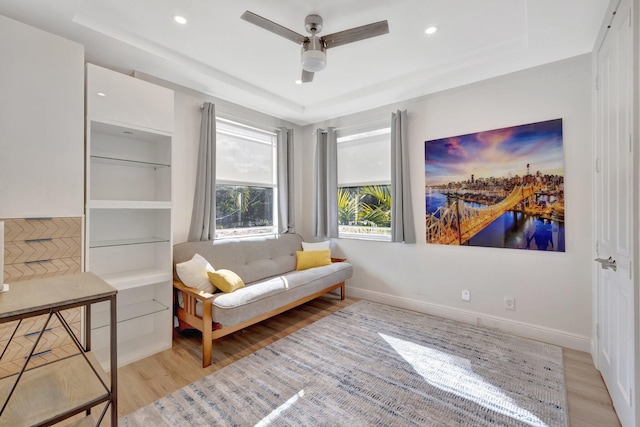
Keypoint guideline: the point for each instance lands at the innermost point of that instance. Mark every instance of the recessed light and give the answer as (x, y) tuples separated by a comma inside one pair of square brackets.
[(431, 30), (180, 19), (101, 94), (298, 82)]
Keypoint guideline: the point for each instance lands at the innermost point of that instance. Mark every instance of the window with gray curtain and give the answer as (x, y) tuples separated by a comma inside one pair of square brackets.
[(244, 181), (368, 168)]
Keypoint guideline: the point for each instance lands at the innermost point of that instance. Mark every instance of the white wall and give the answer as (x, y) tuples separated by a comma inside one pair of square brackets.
[(41, 123), (552, 290)]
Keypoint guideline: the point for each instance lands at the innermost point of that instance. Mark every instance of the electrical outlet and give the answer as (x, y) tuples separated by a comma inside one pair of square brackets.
[(510, 303), (466, 295)]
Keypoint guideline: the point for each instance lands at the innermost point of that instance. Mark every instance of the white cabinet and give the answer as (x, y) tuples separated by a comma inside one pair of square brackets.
[(116, 97), (128, 209), (41, 123)]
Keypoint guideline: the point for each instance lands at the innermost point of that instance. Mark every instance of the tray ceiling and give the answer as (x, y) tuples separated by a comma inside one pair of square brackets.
[(217, 53)]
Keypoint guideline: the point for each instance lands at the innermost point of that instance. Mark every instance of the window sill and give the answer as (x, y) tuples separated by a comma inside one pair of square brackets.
[(241, 233), (368, 237)]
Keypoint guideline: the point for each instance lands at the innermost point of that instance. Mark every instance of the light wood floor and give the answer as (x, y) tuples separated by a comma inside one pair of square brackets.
[(143, 382)]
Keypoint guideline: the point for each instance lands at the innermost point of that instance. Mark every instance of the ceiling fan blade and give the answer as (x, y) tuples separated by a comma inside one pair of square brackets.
[(307, 76), (356, 34), (273, 27)]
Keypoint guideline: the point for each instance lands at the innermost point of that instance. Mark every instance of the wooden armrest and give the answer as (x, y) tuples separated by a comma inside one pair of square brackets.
[(338, 259), (195, 293)]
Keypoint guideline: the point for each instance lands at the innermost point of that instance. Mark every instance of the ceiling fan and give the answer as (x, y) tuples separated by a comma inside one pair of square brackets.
[(314, 57)]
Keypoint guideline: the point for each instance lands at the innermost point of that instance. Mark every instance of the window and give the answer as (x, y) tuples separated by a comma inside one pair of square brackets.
[(364, 185), (245, 180)]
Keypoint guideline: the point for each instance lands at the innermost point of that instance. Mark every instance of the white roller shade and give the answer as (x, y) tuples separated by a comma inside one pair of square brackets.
[(364, 158), (244, 155)]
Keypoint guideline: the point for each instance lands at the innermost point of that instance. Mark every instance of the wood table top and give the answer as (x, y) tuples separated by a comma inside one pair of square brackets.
[(41, 295)]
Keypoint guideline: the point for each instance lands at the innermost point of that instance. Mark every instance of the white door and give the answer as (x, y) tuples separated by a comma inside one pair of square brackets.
[(614, 213)]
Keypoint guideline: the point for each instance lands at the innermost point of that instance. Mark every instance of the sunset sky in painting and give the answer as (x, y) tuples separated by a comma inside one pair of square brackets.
[(495, 153)]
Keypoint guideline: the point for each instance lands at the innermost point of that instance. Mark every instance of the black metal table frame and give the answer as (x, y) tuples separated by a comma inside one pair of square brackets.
[(111, 394)]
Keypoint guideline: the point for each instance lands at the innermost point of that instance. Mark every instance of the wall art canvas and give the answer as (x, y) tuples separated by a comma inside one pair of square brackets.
[(501, 188)]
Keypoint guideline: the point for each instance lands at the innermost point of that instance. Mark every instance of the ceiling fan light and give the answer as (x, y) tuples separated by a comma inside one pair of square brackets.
[(313, 60)]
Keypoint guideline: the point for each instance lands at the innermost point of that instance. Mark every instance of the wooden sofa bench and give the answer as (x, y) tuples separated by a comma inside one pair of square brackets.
[(272, 285)]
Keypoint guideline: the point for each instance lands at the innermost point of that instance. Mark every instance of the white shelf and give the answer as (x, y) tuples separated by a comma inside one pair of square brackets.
[(127, 130), (100, 319), (127, 162), (137, 278), (128, 204), (127, 242)]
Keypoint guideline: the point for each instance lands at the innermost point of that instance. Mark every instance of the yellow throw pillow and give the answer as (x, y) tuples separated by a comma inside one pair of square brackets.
[(225, 280), (310, 259)]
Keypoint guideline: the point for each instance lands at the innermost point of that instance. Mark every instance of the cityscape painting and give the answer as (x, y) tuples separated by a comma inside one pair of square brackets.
[(502, 188)]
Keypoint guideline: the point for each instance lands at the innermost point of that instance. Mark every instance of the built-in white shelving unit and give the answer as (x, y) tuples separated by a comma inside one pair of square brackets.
[(128, 209)]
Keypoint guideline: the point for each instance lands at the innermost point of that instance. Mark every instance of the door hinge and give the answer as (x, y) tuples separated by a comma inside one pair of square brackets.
[(597, 82), (630, 270), (631, 397), (597, 165), (598, 330), (630, 143)]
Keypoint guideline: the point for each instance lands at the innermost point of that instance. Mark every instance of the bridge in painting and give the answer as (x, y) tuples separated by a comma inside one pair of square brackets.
[(456, 223)]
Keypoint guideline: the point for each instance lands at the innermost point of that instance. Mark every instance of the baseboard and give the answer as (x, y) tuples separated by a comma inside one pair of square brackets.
[(548, 335)]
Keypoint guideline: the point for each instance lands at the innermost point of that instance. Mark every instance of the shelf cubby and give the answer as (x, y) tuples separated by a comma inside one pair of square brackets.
[(137, 317)]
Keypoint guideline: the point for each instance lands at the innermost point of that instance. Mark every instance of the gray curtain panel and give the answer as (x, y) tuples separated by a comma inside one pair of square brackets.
[(286, 202), (325, 214), (203, 216), (402, 226)]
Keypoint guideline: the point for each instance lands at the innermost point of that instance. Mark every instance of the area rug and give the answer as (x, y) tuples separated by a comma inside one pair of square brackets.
[(374, 365)]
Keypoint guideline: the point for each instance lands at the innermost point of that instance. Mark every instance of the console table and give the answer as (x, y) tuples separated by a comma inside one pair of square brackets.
[(49, 393)]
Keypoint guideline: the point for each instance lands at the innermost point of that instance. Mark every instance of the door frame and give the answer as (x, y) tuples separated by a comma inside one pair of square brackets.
[(595, 289), (635, 126)]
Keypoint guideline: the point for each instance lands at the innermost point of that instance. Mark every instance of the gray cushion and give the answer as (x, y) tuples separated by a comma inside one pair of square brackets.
[(253, 259), (265, 296)]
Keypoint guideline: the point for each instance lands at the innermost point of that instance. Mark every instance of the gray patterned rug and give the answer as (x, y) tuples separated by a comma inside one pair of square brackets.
[(375, 365)]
